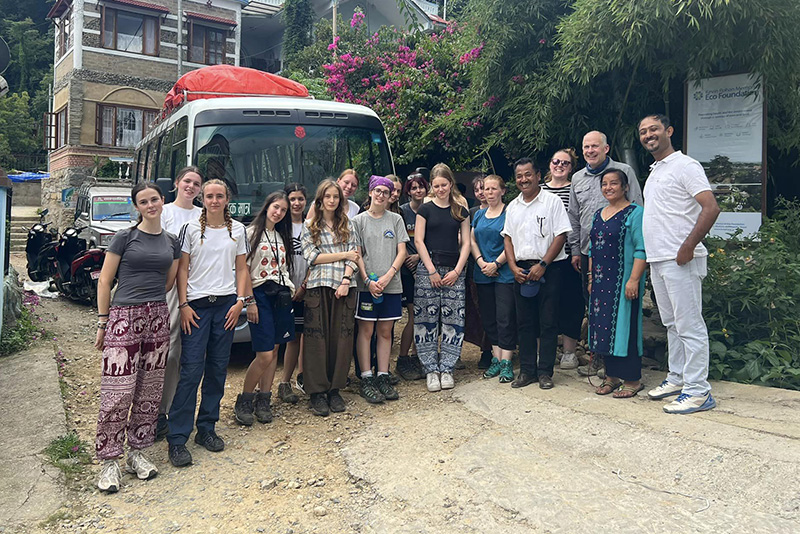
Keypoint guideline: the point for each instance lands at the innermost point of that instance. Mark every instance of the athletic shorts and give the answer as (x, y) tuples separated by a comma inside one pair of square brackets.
[(390, 309)]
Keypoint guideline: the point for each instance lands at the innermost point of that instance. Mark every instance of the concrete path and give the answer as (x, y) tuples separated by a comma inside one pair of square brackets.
[(493, 459), (31, 415)]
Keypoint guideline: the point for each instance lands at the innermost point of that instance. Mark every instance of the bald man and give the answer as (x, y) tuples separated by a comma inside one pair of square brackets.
[(585, 198)]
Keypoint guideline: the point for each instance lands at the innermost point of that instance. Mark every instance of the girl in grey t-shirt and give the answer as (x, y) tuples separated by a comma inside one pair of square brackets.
[(133, 333)]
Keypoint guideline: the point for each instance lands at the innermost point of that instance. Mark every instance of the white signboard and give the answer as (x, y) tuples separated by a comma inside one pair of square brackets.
[(724, 131)]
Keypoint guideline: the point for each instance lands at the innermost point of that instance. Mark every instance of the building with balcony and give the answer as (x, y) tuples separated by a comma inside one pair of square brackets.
[(262, 27), (114, 62)]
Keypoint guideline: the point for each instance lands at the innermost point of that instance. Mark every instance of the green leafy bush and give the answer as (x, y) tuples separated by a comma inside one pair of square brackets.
[(751, 301)]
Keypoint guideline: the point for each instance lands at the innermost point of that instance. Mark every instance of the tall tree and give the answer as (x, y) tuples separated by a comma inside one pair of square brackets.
[(298, 19)]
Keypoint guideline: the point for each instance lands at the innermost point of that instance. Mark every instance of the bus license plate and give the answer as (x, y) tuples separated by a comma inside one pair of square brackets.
[(240, 209)]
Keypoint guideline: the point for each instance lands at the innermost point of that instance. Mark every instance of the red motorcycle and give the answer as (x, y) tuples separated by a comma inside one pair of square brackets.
[(77, 268)]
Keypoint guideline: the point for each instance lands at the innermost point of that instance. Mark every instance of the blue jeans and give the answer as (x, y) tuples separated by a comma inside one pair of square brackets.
[(205, 354)]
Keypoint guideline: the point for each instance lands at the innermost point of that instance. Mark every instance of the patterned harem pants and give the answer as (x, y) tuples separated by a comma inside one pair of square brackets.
[(438, 310), (134, 356)]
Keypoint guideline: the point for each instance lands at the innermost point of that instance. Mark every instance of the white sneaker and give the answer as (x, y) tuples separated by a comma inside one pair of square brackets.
[(110, 475), (691, 403), (665, 389), (139, 464), (569, 361), (433, 382), (447, 381)]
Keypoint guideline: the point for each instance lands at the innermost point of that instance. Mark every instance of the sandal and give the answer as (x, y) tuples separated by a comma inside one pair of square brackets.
[(627, 392), (607, 387)]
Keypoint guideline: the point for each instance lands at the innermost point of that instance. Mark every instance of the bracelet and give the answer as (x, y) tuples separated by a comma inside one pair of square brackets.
[(367, 281), (393, 267), (347, 277), (183, 305), (101, 326), (102, 315), (498, 264), (346, 280), (479, 258)]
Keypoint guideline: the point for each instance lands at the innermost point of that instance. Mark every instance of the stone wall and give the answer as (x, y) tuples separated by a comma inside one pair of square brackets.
[(27, 193)]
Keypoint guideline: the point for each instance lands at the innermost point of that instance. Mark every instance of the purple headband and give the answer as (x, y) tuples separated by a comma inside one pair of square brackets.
[(375, 181)]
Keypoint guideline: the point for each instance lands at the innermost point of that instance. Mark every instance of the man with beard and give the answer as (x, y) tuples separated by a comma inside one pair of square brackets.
[(680, 211), (585, 199)]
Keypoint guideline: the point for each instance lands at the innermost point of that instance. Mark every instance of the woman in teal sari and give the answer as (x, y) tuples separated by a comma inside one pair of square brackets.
[(616, 276)]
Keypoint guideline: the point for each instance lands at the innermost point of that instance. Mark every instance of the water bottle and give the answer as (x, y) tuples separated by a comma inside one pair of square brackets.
[(378, 299)]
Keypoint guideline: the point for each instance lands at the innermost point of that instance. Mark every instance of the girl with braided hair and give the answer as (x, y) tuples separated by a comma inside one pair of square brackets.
[(213, 286)]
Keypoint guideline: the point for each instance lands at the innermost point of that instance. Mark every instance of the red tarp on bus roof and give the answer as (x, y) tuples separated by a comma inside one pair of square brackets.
[(230, 79)]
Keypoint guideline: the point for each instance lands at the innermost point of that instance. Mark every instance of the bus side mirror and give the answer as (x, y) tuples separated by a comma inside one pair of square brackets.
[(165, 184)]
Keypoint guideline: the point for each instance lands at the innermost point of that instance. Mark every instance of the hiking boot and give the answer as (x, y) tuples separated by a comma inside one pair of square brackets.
[(446, 380), (110, 476), (418, 366), (369, 390), (286, 394), (569, 361), (298, 383), (405, 368), (393, 378), (179, 455), (263, 410), (139, 464), (686, 404), (459, 364), (243, 409), (335, 401), (386, 388), (434, 384), (506, 371), (210, 440), (162, 427), (486, 360), (319, 405), (595, 368), (665, 389), (493, 370)]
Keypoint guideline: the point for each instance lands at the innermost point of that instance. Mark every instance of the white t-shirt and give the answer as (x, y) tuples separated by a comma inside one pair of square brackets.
[(352, 209), (533, 226), (173, 217), (300, 266), (670, 210), (212, 262)]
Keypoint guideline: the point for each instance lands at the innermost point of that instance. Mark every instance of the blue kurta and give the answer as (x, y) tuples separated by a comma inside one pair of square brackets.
[(615, 243)]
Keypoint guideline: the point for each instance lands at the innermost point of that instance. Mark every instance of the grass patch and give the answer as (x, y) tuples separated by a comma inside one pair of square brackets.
[(69, 453), (19, 334)]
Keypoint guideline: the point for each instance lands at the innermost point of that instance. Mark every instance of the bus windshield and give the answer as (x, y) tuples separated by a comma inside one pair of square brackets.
[(256, 159)]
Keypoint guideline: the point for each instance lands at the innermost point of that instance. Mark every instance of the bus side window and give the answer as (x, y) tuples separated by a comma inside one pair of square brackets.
[(179, 146), (163, 167), (150, 161)]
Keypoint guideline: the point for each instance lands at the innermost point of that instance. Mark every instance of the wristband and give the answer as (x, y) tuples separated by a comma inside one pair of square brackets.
[(101, 326), (102, 315), (393, 267), (498, 264), (346, 280), (478, 258), (347, 277), (183, 305)]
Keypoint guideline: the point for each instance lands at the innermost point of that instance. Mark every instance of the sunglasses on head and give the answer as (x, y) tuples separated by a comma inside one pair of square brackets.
[(558, 162)]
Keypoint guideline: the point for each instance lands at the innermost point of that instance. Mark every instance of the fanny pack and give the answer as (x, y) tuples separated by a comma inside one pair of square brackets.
[(207, 302), (281, 293)]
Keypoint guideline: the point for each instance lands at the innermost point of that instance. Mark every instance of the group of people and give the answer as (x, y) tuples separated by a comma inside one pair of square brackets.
[(330, 282)]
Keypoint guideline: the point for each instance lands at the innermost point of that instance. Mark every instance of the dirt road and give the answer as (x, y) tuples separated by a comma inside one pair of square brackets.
[(479, 458)]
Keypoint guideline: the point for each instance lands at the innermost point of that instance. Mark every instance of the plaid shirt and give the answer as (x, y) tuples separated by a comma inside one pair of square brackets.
[(326, 274)]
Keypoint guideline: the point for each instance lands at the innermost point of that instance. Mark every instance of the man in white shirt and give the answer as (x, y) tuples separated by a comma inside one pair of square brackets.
[(534, 234), (679, 212)]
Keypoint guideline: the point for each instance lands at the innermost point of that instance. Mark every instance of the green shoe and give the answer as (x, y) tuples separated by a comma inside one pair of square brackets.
[(493, 370), (506, 371)]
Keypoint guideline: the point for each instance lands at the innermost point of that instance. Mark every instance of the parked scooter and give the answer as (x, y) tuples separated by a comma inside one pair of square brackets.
[(40, 250), (77, 268)]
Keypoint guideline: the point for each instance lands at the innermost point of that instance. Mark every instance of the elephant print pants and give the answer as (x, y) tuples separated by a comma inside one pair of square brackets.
[(438, 310), (134, 356)]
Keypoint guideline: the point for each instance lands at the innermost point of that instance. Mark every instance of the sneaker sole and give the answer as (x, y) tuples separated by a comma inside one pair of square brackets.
[(147, 476), (435, 389), (244, 423), (710, 404), (110, 489), (663, 395), (373, 401)]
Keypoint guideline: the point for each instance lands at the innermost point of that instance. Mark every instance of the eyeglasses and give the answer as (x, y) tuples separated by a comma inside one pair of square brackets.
[(558, 162), (382, 192)]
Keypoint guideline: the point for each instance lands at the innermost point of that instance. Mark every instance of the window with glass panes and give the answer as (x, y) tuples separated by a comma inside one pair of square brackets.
[(206, 44), (130, 32), (122, 126)]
